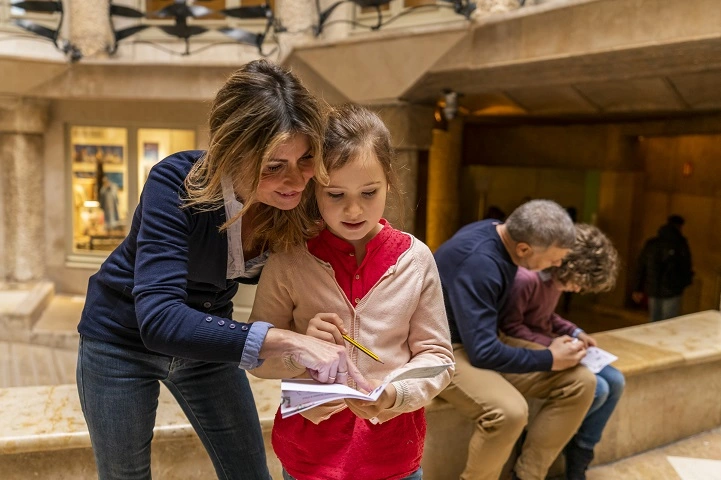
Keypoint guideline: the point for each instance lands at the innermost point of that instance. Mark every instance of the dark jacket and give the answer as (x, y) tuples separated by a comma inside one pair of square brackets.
[(665, 269), (164, 288), (476, 276)]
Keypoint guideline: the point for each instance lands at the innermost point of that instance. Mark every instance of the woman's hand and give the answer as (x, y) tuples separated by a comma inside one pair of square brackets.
[(328, 327), (366, 409), (326, 362)]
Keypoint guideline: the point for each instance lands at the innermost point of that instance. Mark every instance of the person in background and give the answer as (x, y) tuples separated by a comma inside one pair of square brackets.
[(383, 290), (664, 271), (590, 267), (495, 372), (160, 307)]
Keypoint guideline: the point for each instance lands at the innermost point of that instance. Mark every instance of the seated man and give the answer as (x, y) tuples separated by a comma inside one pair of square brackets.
[(529, 314), (494, 372)]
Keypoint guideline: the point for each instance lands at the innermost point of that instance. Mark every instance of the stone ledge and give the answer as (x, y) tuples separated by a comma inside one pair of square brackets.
[(673, 370), (49, 418), (673, 382)]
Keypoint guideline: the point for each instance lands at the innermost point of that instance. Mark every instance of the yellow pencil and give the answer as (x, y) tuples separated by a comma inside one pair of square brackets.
[(362, 349)]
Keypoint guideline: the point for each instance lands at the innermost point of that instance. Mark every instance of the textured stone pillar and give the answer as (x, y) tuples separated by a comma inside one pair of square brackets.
[(444, 164), (298, 18), (22, 195), (90, 30), (485, 7), (410, 127)]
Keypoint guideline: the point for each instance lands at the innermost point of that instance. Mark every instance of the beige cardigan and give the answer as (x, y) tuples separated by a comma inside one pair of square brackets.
[(402, 319)]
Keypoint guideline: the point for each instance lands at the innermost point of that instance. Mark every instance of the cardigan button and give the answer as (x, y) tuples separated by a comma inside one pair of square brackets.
[(221, 322), (208, 319), (207, 305)]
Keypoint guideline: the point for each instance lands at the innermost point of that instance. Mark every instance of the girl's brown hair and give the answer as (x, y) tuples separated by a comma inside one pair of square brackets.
[(353, 132), (592, 263), (260, 107)]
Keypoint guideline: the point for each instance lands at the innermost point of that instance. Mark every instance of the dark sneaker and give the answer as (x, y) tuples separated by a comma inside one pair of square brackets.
[(577, 461)]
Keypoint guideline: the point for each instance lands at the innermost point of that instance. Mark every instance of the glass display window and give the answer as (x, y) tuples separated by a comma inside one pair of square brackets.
[(105, 191), (154, 144), (99, 186)]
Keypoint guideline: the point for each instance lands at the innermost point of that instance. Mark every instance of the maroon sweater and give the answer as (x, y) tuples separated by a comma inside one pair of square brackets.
[(529, 312)]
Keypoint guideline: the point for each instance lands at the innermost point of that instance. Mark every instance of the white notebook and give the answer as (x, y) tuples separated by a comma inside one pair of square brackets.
[(596, 359), (298, 395)]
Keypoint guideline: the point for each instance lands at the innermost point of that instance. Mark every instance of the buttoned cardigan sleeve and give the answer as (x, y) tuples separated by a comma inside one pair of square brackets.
[(429, 338), (167, 324), (274, 304)]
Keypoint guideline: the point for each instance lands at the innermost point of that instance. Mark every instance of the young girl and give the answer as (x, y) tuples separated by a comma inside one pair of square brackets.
[(384, 287), (590, 267)]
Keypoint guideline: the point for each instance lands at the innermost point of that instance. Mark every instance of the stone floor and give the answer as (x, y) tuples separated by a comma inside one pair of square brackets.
[(700, 456)]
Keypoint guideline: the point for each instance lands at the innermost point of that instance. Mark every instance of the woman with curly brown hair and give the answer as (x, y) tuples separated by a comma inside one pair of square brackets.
[(590, 267)]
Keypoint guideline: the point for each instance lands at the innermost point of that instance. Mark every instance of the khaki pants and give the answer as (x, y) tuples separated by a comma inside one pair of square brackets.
[(495, 401)]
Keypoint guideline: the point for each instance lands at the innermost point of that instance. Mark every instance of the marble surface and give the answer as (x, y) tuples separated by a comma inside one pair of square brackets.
[(49, 417), (684, 340), (654, 464), (27, 365)]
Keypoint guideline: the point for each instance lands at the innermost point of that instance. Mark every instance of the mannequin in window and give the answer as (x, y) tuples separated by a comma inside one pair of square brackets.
[(109, 203)]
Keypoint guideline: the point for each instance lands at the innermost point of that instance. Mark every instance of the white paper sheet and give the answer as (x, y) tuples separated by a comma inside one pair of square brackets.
[(597, 358), (696, 468), (298, 395)]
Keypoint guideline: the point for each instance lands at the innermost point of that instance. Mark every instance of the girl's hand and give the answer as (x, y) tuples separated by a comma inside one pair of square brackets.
[(366, 409), (587, 340), (328, 327)]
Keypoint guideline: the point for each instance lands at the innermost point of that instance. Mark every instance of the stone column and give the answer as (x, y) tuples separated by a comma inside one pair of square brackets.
[(89, 28), (444, 164), (22, 198), (298, 18), (410, 127)]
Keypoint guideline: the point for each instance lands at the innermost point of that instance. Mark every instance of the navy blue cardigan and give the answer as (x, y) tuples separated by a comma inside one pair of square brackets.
[(476, 276), (164, 288)]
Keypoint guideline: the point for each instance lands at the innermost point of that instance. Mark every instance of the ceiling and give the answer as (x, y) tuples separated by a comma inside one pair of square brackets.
[(570, 58)]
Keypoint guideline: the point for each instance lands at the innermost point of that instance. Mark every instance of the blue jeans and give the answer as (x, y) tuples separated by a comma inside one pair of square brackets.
[(609, 387), (663, 308), (417, 475), (119, 391)]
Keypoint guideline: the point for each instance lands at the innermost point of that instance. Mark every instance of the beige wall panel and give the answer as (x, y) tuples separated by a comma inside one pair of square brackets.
[(699, 90), (508, 187), (632, 95)]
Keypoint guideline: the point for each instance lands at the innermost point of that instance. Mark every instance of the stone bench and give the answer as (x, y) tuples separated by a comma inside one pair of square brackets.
[(673, 375), (43, 435), (673, 386)]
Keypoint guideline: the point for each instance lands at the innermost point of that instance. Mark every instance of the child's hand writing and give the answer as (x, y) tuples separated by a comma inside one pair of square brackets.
[(328, 327), (366, 409)]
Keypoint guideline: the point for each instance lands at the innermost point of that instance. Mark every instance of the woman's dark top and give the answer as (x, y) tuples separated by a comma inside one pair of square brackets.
[(164, 288)]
